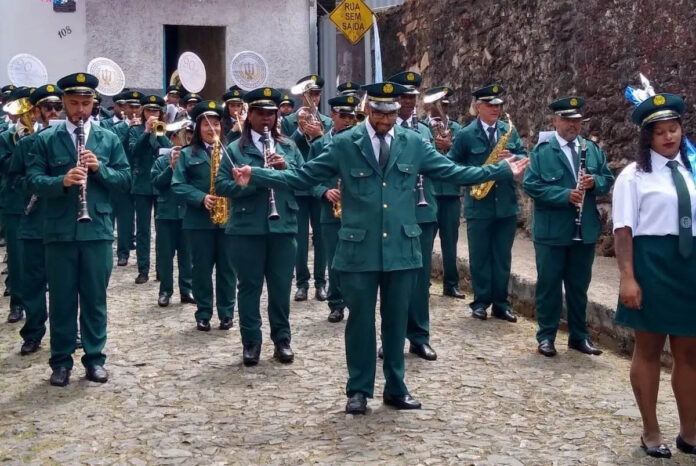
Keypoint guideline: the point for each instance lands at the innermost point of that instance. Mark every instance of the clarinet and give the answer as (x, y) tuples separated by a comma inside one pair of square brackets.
[(420, 183), (31, 204), (273, 211), (581, 172), (83, 214)]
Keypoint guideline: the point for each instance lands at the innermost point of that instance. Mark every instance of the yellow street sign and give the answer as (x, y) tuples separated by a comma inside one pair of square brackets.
[(353, 18)]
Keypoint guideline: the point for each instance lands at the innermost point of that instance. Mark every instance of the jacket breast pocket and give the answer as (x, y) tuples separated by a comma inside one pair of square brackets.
[(407, 176), (552, 176), (364, 181), (60, 166), (349, 245), (479, 154), (199, 172)]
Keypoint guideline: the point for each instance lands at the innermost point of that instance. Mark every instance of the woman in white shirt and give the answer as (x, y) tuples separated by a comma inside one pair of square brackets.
[(655, 242)]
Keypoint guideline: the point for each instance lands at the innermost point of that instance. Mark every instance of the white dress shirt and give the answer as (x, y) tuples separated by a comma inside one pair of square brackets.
[(647, 202), (375, 140), (566, 150), (257, 138), (71, 130)]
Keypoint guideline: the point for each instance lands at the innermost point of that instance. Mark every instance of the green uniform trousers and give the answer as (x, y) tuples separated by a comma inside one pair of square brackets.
[(124, 213), (143, 226), (559, 267), (213, 249), (172, 240), (490, 258), (418, 327), (329, 233), (78, 271), (256, 257), (33, 290), (309, 211), (360, 293), (14, 257), (448, 212)]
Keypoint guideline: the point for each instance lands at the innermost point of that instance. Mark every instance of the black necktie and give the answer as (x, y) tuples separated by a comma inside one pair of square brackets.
[(574, 155), (491, 136), (404, 124), (684, 203), (383, 151)]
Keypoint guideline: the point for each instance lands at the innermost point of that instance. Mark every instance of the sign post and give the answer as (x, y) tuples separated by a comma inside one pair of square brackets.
[(353, 18)]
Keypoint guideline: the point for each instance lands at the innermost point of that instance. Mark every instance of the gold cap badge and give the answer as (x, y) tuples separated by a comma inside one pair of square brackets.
[(349, 85), (236, 93), (388, 88), (410, 77), (267, 92), (350, 100), (659, 100), (211, 105), (50, 88), (495, 89), (153, 98), (135, 94), (574, 102), (313, 78), (81, 78)]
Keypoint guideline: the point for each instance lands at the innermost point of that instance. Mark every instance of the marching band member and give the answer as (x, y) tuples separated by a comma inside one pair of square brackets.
[(47, 99), (378, 162), (343, 118), (78, 254), (655, 237), (172, 99), (286, 106), (144, 145), (303, 132), (491, 222), (192, 181), (190, 101), (264, 246), (563, 257), (233, 112), (171, 237)]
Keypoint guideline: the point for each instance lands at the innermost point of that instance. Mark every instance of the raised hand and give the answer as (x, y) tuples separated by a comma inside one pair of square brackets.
[(242, 175), (517, 166)]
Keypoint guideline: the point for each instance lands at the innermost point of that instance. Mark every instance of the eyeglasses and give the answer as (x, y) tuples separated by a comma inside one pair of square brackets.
[(57, 107), (383, 116), (346, 116)]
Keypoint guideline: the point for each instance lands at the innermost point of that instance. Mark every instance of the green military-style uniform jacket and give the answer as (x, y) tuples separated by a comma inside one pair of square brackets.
[(7, 145), (31, 223), (144, 150), (379, 230), (470, 147), (549, 179), (315, 149), (290, 128), (191, 182), (426, 214), (169, 206), (440, 188), (248, 204), (51, 157)]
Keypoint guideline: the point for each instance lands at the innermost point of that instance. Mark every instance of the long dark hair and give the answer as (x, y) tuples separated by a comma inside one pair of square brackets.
[(197, 140), (645, 143), (246, 134)]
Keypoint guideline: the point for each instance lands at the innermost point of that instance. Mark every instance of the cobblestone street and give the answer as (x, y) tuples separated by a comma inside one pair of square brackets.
[(180, 396)]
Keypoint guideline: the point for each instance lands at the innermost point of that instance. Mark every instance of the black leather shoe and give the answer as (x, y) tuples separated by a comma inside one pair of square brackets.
[(658, 451), (60, 377), (251, 354), (453, 292), (5, 271), (6, 292), (320, 294), (401, 401), (423, 351), (301, 294), (226, 323), (203, 325), (29, 346), (283, 353), (380, 353), (584, 346), (122, 261), (479, 313), (97, 374), (163, 300), (507, 314), (547, 348), (357, 404), (187, 298), (16, 314), (336, 315), (685, 446), (141, 278)]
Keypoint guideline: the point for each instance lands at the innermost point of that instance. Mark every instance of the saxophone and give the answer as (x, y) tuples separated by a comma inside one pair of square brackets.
[(481, 190), (221, 210)]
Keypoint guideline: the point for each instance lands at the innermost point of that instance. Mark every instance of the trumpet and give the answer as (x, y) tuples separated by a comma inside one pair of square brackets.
[(439, 126), (159, 128), (83, 213), (309, 113), (360, 113)]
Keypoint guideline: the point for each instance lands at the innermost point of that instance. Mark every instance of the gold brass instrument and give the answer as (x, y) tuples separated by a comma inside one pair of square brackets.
[(360, 112), (581, 172), (21, 108), (439, 126), (159, 128), (221, 210), (481, 190), (83, 214), (338, 206), (309, 113), (272, 210)]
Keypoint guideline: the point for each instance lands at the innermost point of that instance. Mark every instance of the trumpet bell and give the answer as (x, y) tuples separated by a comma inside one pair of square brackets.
[(159, 128), (302, 87), (429, 99), (17, 107)]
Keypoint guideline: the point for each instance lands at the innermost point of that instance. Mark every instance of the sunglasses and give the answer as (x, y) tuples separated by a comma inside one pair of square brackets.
[(52, 107)]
